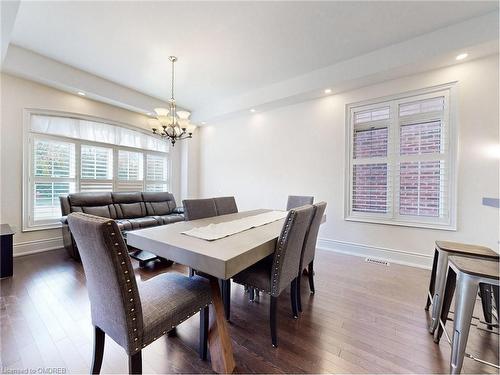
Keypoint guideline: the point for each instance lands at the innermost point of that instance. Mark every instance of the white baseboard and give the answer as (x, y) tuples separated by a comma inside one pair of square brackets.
[(406, 258), (37, 246)]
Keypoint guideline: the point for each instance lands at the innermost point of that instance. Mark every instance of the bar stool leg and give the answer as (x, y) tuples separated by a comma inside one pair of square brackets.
[(433, 280), (437, 299), (464, 308), (495, 295), (485, 293), (447, 298)]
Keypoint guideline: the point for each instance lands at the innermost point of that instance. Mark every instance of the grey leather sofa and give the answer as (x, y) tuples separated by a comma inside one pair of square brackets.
[(130, 210)]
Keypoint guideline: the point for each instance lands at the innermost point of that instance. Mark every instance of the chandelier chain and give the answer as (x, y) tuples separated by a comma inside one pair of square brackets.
[(173, 62)]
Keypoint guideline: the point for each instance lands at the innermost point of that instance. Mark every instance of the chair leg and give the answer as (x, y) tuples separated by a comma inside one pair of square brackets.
[(272, 320), (485, 293), (464, 307), (293, 298), (191, 272), (135, 363), (449, 290), (310, 274), (251, 294), (99, 337), (299, 298), (433, 278), (204, 333)]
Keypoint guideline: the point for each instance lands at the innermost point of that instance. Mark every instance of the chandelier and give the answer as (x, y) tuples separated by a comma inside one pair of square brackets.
[(174, 124)]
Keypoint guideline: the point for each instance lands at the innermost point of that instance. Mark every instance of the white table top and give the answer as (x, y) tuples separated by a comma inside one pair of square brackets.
[(221, 258)]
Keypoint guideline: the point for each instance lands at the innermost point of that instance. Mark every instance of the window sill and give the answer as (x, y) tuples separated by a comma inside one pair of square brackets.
[(35, 228), (411, 224)]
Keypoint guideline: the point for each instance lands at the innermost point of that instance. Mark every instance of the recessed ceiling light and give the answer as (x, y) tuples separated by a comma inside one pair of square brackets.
[(328, 91), (81, 93), (462, 56), (252, 110), (203, 123)]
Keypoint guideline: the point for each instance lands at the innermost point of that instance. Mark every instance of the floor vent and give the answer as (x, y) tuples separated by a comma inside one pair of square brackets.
[(377, 261)]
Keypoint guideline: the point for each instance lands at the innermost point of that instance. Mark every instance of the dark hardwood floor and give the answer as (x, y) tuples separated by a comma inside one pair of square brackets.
[(364, 318)]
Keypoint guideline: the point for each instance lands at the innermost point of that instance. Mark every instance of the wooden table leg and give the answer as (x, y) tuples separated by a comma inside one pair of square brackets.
[(219, 341)]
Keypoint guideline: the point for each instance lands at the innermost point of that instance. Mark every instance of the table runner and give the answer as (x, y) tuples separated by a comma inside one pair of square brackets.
[(213, 232)]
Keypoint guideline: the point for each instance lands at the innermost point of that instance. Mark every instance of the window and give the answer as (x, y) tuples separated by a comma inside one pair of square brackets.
[(67, 155), (130, 170), (156, 172), (96, 168), (53, 175), (401, 158)]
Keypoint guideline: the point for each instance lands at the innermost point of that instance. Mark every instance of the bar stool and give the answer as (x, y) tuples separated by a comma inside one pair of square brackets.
[(438, 275), (467, 274)]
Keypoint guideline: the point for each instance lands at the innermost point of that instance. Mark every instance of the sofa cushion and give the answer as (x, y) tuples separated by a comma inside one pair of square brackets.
[(143, 222), (128, 205), (159, 203), (172, 218), (90, 199), (99, 204), (102, 211), (124, 224)]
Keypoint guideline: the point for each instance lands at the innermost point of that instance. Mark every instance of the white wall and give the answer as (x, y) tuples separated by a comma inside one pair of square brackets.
[(299, 149), (18, 94)]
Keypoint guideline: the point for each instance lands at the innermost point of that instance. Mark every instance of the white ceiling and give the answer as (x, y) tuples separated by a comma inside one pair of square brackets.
[(225, 49)]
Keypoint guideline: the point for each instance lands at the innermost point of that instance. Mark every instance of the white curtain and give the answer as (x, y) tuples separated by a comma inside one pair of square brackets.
[(96, 132)]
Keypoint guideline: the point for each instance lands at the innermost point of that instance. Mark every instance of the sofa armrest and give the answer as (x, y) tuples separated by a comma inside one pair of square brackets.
[(64, 220), (178, 210)]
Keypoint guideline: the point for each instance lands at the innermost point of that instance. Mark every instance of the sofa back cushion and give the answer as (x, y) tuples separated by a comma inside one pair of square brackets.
[(161, 203), (98, 204), (129, 205)]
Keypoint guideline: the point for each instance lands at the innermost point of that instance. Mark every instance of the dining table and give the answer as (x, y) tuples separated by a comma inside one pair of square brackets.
[(219, 259)]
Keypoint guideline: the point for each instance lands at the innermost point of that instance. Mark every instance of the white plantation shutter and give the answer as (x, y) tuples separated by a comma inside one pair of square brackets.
[(370, 173), (400, 163), (130, 171), (156, 173), (96, 169), (53, 175), (423, 167)]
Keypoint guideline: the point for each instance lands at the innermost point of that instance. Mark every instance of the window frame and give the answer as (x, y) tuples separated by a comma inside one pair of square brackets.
[(393, 216), (28, 201)]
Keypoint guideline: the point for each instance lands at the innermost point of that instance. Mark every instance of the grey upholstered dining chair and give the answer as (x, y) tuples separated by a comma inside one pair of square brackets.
[(133, 315), (309, 249), (274, 273), (225, 205), (199, 208), (295, 201)]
